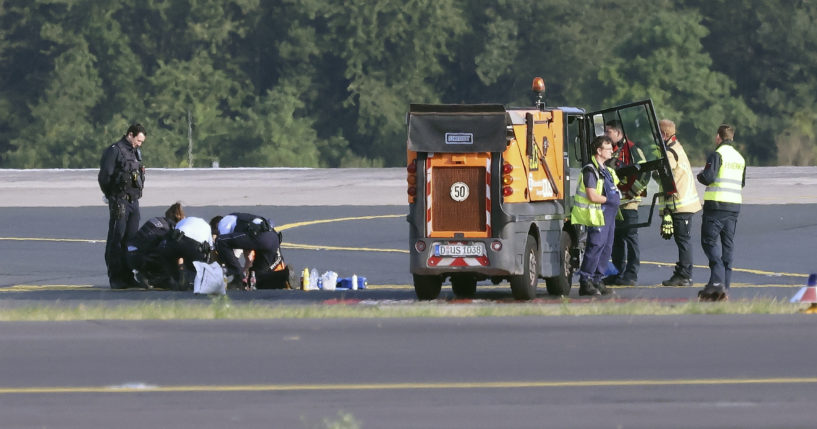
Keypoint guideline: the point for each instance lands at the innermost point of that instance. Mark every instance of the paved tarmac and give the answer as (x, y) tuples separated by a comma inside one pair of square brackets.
[(308, 187), (691, 371), (773, 258), (716, 371)]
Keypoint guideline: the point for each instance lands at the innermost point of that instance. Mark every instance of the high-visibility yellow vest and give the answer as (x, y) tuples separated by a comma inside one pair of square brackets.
[(728, 184), (585, 212), (685, 200)]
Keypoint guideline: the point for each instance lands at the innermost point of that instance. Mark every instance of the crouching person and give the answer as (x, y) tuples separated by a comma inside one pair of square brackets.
[(249, 232), (191, 240), (144, 250)]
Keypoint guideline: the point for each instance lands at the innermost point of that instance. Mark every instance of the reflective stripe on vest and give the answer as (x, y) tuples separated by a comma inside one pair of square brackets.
[(728, 184), (585, 212)]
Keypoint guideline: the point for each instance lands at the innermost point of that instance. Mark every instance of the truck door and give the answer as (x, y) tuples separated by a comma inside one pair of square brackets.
[(649, 154)]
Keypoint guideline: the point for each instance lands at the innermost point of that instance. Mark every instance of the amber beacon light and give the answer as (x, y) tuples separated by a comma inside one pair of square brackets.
[(538, 85)]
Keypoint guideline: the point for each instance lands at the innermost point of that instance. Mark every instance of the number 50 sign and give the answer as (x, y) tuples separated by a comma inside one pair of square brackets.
[(459, 191)]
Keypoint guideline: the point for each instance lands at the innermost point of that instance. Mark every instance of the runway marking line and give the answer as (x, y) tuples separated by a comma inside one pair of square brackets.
[(144, 388), (288, 245), (340, 219), (30, 288), (38, 288)]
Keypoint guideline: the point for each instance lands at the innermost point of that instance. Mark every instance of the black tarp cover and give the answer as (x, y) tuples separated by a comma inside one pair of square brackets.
[(457, 128)]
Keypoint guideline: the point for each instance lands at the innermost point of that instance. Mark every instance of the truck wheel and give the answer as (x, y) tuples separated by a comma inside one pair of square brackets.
[(523, 286), (427, 287), (560, 285), (464, 286)]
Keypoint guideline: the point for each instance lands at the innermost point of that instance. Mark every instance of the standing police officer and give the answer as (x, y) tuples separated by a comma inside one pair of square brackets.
[(724, 176), (595, 205), (121, 178)]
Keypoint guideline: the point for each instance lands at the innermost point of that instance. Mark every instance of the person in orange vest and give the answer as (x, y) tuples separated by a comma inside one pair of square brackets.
[(724, 176), (681, 206)]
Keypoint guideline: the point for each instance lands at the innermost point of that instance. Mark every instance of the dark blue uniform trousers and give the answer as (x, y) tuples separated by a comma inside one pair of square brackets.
[(599, 248), (682, 234), (717, 224), (626, 254)]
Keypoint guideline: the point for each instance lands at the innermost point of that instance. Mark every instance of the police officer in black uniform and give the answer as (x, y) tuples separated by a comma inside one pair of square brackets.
[(144, 250), (191, 240), (121, 178), (250, 232)]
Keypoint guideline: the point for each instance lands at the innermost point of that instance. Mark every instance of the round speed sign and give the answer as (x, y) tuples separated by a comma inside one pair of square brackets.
[(459, 191)]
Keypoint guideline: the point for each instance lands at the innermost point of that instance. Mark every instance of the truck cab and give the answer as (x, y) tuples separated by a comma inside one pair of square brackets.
[(490, 190)]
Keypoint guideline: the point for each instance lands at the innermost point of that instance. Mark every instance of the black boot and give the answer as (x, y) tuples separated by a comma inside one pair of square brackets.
[(713, 292), (603, 289), (586, 288), (677, 280)]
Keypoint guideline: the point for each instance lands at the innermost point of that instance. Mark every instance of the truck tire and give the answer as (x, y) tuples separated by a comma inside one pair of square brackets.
[(560, 285), (464, 286), (523, 286), (427, 287)]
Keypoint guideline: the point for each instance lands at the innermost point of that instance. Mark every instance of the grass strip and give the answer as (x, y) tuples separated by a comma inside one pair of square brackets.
[(224, 308)]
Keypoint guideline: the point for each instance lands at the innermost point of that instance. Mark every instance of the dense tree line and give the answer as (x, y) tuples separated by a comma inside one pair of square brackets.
[(328, 83)]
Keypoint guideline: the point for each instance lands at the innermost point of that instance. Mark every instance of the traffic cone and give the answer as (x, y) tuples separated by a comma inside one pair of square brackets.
[(808, 294)]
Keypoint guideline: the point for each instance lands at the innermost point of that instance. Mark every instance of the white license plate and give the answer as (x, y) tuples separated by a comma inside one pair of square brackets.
[(458, 250)]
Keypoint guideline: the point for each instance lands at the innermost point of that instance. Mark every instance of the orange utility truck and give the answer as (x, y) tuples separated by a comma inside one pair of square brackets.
[(489, 190)]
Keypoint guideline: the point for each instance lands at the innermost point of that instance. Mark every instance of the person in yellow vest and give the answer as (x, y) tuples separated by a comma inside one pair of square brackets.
[(681, 206), (595, 205), (724, 176)]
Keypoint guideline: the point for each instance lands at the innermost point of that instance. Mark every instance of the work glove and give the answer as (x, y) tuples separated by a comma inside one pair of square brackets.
[(666, 226)]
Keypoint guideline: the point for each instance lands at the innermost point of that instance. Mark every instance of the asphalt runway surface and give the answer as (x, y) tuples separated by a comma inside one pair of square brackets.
[(752, 371), (57, 253), (714, 371)]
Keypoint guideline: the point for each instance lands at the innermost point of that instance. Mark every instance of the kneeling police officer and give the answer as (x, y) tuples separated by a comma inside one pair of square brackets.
[(191, 240), (250, 232), (145, 257)]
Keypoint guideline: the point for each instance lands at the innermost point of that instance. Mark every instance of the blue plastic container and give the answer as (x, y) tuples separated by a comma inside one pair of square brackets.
[(345, 283)]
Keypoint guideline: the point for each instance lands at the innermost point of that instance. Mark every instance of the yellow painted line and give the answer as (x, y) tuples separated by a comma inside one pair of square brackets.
[(406, 386), (30, 288), (744, 270), (370, 249), (69, 240), (733, 285), (340, 219), (39, 288), (342, 248), (542, 286)]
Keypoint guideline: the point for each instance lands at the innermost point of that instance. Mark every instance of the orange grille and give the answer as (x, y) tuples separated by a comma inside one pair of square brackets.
[(458, 216)]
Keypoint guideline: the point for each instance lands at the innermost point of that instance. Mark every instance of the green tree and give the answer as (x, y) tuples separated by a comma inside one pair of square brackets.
[(25, 64), (664, 59), (563, 41), (61, 133), (189, 94), (770, 49), (272, 134), (390, 53)]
